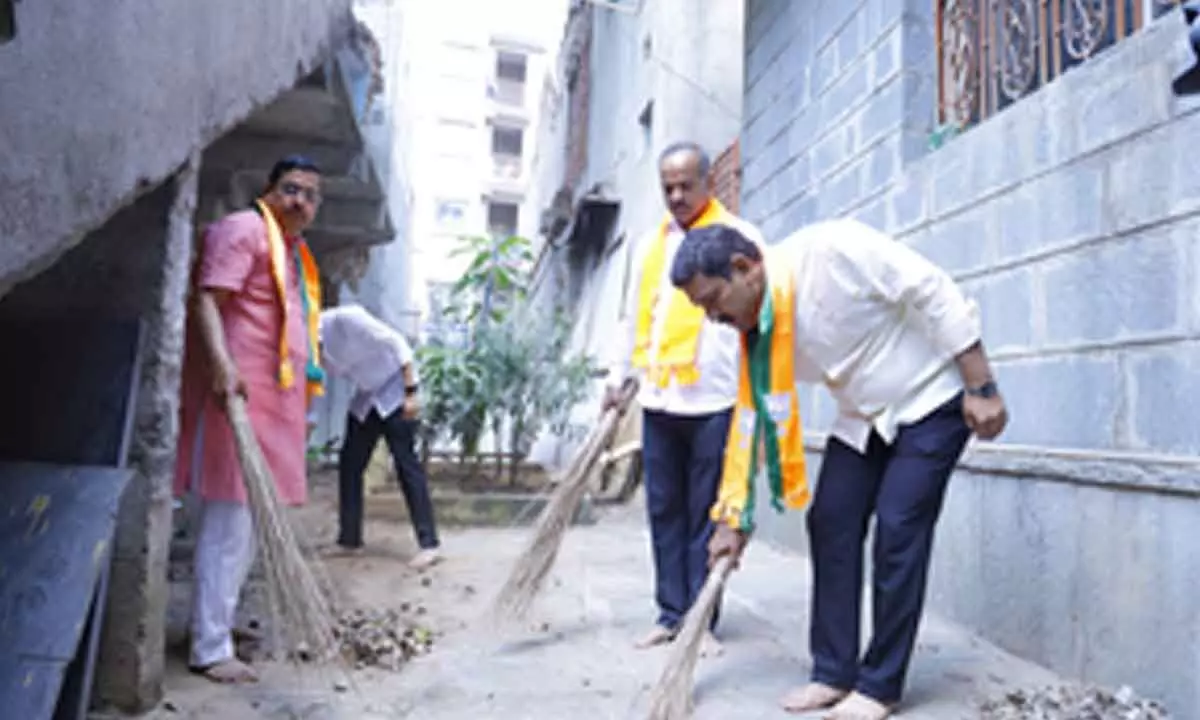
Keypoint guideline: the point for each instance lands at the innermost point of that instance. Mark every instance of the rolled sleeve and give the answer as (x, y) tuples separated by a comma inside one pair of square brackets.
[(904, 277), (230, 248)]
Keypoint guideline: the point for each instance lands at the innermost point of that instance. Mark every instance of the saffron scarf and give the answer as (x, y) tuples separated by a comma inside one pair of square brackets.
[(766, 417), (310, 305), (675, 355)]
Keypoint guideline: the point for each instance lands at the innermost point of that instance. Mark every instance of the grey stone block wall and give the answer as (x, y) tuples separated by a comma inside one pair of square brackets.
[(1071, 217)]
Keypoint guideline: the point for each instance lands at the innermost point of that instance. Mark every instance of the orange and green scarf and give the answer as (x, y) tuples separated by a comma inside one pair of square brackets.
[(310, 304), (675, 355), (766, 418)]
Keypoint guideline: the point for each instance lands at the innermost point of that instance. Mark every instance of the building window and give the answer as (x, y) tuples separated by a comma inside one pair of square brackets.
[(502, 219), (511, 67), (8, 20), (508, 85), (991, 53), (507, 141)]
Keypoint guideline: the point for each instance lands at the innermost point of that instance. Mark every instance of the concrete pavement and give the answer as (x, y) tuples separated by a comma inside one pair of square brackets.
[(578, 661)]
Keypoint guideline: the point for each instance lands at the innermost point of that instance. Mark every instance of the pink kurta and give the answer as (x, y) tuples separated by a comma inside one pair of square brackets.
[(235, 258)]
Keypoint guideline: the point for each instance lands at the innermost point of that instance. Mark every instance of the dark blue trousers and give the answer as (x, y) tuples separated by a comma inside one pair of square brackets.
[(682, 456), (903, 486)]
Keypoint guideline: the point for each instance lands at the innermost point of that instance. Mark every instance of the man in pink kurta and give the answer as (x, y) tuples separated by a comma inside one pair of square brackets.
[(234, 346)]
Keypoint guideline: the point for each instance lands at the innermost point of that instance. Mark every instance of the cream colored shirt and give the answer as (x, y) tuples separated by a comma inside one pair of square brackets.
[(877, 323), (357, 345), (717, 353)]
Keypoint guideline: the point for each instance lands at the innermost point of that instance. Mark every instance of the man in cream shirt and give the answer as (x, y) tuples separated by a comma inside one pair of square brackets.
[(899, 347), (379, 362), (687, 367)]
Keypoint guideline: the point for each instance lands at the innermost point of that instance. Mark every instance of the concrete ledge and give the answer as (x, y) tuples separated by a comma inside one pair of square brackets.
[(491, 509), (1136, 472)]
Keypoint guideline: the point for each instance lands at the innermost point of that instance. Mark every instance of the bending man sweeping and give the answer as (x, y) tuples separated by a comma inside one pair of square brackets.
[(689, 380), (379, 362), (898, 346), (253, 332)]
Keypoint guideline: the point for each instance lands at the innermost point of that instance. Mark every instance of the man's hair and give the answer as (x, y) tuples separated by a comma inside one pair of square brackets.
[(288, 164), (703, 164), (709, 251)]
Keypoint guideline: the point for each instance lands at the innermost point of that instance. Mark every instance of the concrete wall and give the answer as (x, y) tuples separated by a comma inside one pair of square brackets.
[(135, 266), (1071, 218), (103, 101)]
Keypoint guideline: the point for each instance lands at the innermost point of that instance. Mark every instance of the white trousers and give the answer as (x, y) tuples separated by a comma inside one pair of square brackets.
[(225, 548)]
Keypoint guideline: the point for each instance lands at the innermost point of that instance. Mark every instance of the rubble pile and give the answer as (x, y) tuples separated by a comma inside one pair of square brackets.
[(1073, 703), (381, 638)]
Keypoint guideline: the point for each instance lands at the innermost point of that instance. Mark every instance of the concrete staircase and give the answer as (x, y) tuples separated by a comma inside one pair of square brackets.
[(318, 118)]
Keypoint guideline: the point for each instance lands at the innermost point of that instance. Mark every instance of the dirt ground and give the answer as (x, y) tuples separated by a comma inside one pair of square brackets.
[(577, 660)]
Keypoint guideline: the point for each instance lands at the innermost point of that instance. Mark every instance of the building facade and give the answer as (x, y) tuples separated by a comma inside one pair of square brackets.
[(1045, 163), (631, 78), (475, 67)]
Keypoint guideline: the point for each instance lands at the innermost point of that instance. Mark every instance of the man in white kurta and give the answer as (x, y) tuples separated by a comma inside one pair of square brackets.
[(379, 362)]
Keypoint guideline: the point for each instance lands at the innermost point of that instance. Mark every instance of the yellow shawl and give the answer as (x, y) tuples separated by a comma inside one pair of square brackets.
[(310, 302), (675, 355), (767, 416)]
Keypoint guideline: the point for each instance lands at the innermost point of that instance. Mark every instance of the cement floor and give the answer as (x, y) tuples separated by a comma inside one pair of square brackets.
[(578, 661)]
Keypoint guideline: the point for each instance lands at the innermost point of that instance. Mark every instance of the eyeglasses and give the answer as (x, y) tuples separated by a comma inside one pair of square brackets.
[(292, 189)]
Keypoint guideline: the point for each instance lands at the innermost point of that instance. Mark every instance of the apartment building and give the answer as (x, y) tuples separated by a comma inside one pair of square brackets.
[(475, 67)]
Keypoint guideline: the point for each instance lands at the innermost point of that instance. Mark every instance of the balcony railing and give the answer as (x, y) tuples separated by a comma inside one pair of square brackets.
[(992, 53), (507, 92)]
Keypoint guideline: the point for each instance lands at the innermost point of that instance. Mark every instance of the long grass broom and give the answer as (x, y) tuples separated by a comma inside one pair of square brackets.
[(532, 567), (303, 622), (671, 698)]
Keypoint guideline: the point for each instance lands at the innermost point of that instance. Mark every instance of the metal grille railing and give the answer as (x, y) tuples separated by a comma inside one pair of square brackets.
[(991, 53)]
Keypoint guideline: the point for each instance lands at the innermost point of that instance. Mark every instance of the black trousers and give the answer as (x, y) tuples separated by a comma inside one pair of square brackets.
[(682, 456), (359, 443), (903, 486)]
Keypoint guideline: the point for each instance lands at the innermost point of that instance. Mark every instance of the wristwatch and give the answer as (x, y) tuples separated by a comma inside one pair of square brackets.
[(987, 390), (411, 389)]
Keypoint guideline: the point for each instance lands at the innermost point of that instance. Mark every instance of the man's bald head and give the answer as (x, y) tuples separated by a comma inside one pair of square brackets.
[(687, 188)]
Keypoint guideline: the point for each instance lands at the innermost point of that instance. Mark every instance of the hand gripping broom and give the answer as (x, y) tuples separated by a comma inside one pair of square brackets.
[(533, 565)]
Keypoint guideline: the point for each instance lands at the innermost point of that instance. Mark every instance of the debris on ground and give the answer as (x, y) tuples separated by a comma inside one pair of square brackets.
[(1073, 703), (381, 638)]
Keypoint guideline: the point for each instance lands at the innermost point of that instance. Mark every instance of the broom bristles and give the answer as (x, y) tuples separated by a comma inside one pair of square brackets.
[(301, 615), (532, 567), (671, 698)]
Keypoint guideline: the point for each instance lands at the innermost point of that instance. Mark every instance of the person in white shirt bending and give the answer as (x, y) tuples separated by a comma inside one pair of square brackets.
[(899, 347), (379, 362)]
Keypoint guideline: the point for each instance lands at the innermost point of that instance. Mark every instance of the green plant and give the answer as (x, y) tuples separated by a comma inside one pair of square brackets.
[(531, 381), (453, 401), (496, 278), (514, 376)]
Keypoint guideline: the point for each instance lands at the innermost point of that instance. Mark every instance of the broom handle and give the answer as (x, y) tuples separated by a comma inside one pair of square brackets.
[(581, 464), (249, 452), (717, 575)]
